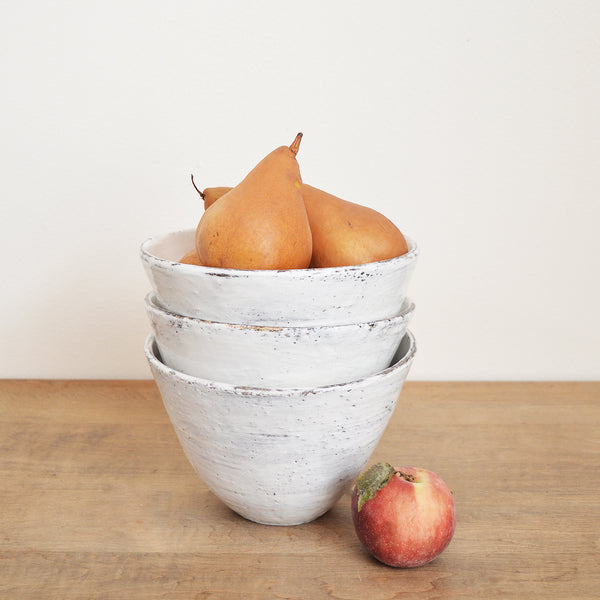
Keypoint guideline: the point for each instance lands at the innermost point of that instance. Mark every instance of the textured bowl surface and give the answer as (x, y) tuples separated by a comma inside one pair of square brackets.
[(332, 296), (280, 456), (266, 356)]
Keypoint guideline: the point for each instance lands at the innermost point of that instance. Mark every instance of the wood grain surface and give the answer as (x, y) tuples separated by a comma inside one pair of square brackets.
[(98, 501)]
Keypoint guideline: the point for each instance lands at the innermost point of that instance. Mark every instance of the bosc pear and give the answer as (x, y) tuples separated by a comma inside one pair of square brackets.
[(261, 223), (344, 233), (211, 194), (190, 258)]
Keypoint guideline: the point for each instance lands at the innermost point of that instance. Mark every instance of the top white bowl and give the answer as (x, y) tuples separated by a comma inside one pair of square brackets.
[(333, 296)]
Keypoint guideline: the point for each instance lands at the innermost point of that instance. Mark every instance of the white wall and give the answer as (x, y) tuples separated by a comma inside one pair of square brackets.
[(474, 125)]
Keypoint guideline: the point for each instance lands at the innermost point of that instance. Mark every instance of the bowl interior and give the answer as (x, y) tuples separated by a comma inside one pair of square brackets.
[(172, 246)]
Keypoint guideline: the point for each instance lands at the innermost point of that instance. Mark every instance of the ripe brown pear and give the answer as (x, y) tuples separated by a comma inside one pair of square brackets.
[(345, 233), (191, 258), (211, 194), (261, 223)]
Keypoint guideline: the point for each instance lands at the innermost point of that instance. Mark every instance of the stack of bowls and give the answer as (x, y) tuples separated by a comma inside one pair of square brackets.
[(279, 384)]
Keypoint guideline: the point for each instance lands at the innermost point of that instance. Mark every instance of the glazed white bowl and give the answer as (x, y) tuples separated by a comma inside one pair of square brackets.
[(263, 356), (280, 456), (331, 296)]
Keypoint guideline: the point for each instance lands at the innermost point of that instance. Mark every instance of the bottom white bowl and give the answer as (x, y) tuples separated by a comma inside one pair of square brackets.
[(280, 456)]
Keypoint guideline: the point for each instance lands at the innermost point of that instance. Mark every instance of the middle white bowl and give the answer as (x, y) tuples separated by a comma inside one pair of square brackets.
[(261, 356)]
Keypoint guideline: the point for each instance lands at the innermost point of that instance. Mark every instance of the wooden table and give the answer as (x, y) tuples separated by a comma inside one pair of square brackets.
[(98, 501)]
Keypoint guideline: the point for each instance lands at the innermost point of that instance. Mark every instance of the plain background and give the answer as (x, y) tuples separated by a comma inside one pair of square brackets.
[(473, 125)]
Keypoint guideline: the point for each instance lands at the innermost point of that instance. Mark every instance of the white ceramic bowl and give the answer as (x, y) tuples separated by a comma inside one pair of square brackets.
[(280, 456), (330, 296), (263, 356)]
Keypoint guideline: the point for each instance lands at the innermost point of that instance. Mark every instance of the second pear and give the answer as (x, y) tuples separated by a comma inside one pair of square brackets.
[(345, 233)]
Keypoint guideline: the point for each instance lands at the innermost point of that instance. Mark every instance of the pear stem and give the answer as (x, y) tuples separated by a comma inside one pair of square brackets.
[(201, 194), (296, 144)]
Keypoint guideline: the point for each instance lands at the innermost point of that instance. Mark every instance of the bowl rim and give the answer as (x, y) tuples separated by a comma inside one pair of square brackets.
[(153, 305), (163, 263), (151, 348)]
